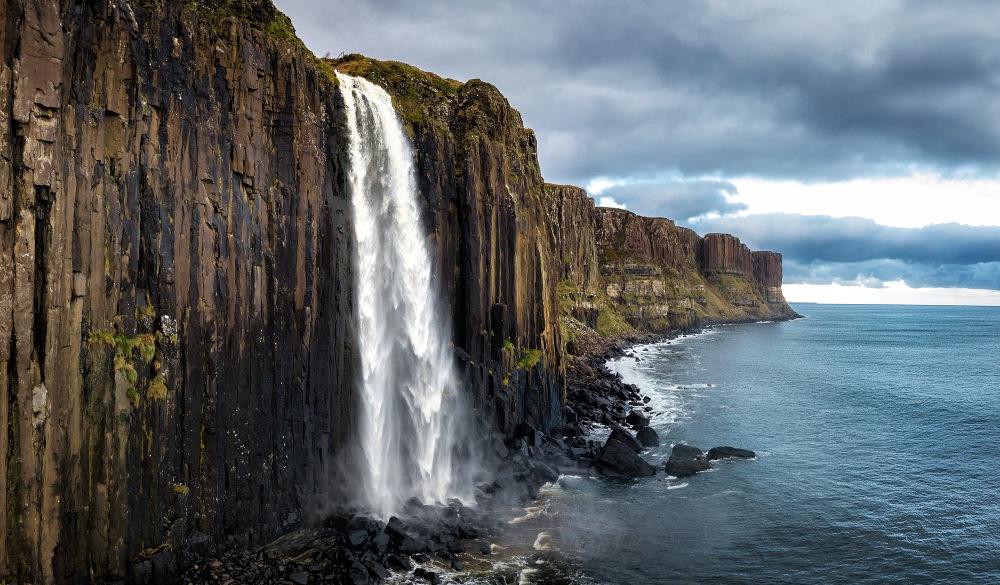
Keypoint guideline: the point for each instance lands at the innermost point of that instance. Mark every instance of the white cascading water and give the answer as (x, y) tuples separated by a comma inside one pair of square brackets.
[(408, 386)]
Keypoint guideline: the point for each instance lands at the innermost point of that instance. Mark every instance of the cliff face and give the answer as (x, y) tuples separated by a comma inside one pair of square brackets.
[(655, 277), (175, 286)]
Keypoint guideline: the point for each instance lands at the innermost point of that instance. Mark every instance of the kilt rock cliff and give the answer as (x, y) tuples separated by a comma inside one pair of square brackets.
[(179, 354)]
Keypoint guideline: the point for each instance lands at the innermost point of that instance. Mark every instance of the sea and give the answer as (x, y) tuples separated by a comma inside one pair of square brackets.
[(877, 434)]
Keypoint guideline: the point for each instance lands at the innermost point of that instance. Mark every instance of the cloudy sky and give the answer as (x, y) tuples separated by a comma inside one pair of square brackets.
[(859, 138)]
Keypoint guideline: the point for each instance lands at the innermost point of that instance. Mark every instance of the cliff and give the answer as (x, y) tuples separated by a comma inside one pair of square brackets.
[(175, 285), (624, 274), (176, 277)]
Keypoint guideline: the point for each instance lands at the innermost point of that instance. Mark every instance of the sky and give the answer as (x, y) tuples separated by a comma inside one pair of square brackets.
[(861, 139)]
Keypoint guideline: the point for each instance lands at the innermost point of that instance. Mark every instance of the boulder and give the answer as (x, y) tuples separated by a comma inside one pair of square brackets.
[(686, 452), (686, 467), (685, 461), (727, 452), (648, 437), (618, 459), (621, 434), (637, 419)]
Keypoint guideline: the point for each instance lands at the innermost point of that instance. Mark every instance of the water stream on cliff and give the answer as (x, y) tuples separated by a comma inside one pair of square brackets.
[(410, 406)]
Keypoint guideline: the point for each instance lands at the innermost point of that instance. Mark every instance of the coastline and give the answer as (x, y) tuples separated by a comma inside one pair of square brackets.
[(432, 540)]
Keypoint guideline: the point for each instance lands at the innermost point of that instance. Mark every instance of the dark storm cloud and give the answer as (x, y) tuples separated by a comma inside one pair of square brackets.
[(821, 249), (679, 200), (874, 273), (775, 89)]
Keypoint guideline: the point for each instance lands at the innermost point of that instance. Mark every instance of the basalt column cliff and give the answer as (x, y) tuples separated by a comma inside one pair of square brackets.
[(177, 339), (623, 274), (175, 285)]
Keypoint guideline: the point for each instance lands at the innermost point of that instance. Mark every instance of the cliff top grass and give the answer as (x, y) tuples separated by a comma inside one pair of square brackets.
[(259, 14), (414, 92)]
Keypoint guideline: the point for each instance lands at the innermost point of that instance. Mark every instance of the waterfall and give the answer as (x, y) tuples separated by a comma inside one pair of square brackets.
[(408, 388)]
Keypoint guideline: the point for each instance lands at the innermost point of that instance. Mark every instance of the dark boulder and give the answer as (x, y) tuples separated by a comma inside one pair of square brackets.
[(423, 573), (686, 461), (618, 459), (621, 434), (686, 467), (637, 419), (686, 452), (377, 570), (357, 538), (727, 452), (648, 437), (545, 473)]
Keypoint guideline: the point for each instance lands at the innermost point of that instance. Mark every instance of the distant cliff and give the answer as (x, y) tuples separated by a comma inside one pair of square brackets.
[(176, 279), (625, 274)]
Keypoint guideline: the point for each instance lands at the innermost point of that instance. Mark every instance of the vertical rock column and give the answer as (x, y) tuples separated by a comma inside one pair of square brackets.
[(175, 285)]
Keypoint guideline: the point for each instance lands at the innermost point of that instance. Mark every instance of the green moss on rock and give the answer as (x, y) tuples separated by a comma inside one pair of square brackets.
[(416, 94)]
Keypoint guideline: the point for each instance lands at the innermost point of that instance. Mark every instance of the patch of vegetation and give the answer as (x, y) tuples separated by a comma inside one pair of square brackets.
[(146, 344), (414, 92), (529, 358), (567, 292), (101, 337), (133, 397), (610, 324), (508, 345), (157, 389)]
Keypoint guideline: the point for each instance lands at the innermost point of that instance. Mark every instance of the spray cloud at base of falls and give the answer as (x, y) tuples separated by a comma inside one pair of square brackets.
[(411, 404)]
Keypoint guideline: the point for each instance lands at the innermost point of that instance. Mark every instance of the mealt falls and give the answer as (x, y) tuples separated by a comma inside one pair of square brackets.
[(408, 389)]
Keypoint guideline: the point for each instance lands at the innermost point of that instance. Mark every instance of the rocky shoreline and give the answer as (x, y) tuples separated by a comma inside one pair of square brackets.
[(428, 541)]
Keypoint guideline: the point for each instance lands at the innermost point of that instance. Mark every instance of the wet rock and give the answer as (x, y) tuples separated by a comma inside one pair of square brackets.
[(299, 578), (381, 543), (399, 562), (545, 473), (686, 452), (728, 452), (357, 538), (618, 459), (686, 468), (430, 576), (648, 437), (621, 434), (685, 461), (377, 570), (637, 419), (410, 546)]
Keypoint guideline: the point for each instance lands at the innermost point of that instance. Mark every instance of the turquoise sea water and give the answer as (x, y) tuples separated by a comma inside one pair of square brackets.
[(877, 430)]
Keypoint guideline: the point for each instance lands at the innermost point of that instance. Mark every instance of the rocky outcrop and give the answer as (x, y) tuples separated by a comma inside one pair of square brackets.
[(656, 277)]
